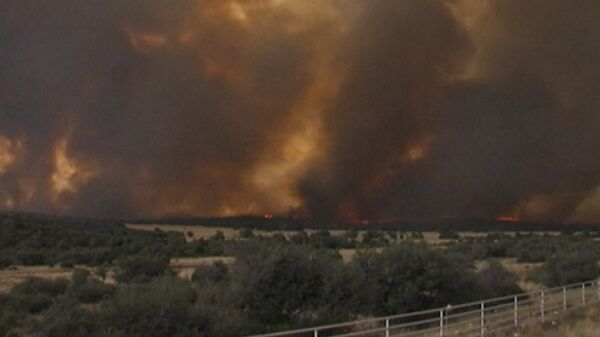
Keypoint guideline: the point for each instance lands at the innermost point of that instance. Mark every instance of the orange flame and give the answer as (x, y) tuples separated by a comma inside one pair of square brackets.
[(508, 218), (69, 174), (9, 150)]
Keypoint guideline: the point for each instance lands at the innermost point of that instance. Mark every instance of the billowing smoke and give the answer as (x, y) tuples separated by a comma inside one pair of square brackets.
[(336, 109)]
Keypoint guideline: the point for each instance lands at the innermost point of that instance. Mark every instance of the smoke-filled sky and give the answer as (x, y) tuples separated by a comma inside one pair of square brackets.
[(338, 109)]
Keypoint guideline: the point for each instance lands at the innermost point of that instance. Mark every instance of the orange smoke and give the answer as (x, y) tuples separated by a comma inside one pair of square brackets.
[(69, 174), (145, 42), (9, 150)]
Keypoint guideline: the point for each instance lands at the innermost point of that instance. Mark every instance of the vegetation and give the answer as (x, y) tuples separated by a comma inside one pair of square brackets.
[(253, 295), (122, 284), (29, 242), (568, 268)]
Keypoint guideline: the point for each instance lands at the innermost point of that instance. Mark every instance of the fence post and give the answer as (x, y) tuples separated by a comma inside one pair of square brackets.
[(564, 293), (316, 333), (516, 309), (542, 305), (442, 323), (387, 327), (482, 319), (583, 294)]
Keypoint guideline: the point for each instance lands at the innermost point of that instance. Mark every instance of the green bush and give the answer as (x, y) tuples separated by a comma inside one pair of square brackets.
[(568, 268), (497, 281), (31, 258), (246, 233), (216, 273), (35, 295), (5, 262), (263, 281), (29, 303), (93, 291), (409, 277), (67, 319), (163, 307), (449, 235), (51, 288), (79, 277), (141, 268)]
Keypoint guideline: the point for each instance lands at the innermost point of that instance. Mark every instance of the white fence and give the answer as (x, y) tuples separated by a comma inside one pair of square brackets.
[(493, 317)]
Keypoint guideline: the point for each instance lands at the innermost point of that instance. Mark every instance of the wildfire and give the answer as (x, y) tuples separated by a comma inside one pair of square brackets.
[(268, 216), (145, 42), (69, 174), (9, 150), (508, 218)]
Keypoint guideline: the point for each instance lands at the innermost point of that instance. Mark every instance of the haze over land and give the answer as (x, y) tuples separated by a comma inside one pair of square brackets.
[(350, 110)]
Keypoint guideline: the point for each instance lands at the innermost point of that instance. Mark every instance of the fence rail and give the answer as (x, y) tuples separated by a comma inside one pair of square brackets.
[(492, 317)]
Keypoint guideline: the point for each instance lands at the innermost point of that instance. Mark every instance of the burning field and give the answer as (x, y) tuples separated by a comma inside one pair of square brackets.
[(346, 110)]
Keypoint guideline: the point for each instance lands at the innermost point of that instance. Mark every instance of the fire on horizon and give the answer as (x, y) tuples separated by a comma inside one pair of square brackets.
[(354, 110)]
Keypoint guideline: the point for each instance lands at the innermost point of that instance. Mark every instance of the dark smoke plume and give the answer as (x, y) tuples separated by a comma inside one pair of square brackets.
[(374, 109)]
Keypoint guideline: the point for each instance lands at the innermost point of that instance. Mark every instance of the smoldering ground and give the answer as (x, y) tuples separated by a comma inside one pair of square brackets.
[(334, 109)]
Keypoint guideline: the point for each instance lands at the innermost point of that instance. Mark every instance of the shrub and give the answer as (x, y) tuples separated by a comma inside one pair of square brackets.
[(215, 273), (219, 236), (263, 280), (66, 319), (140, 268), (566, 269), (417, 236), (31, 258), (163, 307), (411, 276), (29, 303), (5, 262), (300, 237), (93, 291), (67, 265), (101, 272), (449, 235), (8, 321), (246, 233), (51, 288), (497, 281), (79, 277)]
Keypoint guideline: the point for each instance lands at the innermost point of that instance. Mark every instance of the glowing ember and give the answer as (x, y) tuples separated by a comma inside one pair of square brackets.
[(268, 216), (508, 218)]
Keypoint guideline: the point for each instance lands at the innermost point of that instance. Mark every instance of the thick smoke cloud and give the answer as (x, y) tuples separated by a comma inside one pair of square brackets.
[(173, 102), (369, 109), (516, 133)]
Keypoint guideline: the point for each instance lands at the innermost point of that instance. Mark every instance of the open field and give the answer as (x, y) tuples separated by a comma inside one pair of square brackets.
[(205, 232), (15, 275), (581, 323)]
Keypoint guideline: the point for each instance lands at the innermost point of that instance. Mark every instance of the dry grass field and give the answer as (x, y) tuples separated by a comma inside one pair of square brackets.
[(203, 232), (13, 276), (519, 270), (584, 323)]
